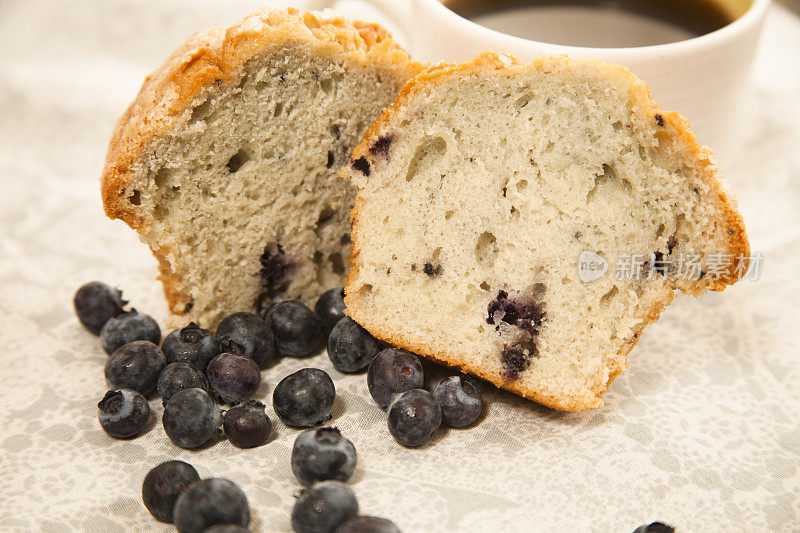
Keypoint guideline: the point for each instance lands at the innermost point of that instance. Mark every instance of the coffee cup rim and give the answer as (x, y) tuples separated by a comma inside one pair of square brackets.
[(753, 14)]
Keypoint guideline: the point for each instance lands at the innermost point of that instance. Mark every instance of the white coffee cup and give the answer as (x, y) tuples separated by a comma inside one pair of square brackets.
[(705, 78)]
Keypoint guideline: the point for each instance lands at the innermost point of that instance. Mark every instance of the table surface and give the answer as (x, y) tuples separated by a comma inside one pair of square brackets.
[(701, 432)]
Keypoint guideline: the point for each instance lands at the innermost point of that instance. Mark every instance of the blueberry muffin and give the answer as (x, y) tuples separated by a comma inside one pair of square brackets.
[(226, 161), (524, 223)]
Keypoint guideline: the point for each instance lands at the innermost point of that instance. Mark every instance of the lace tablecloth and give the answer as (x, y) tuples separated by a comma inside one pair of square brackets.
[(701, 432)]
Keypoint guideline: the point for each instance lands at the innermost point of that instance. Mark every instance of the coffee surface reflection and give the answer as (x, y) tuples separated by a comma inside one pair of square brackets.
[(602, 23)]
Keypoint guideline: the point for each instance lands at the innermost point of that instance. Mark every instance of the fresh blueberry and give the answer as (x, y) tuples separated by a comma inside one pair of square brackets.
[(95, 303), (233, 378), (330, 308), (324, 507), (304, 399), (163, 484), (191, 344), (209, 502), (460, 402), (247, 334), (136, 366), (247, 425), (297, 329), (655, 527), (413, 417), (321, 454), (178, 376), (129, 327), (391, 372), (226, 528), (123, 413), (191, 418), (350, 347), (368, 524)]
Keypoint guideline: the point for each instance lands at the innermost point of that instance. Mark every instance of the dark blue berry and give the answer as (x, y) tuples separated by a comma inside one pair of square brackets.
[(368, 524), (209, 502), (524, 312), (432, 270), (233, 378), (350, 347), (227, 528), (179, 376), (247, 425), (655, 527), (324, 507), (304, 399), (136, 366), (191, 418), (275, 275), (297, 329), (321, 454), (460, 402), (413, 417), (123, 413), (129, 327), (191, 344), (247, 334), (362, 165), (391, 372), (330, 308), (162, 486), (382, 145), (95, 303), (517, 357)]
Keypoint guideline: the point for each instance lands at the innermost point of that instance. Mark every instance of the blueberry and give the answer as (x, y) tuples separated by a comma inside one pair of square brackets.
[(297, 329), (368, 524), (304, 399), (191, 344), (123, 413), (247, 425), (525, 312), (655, 527), (330, 308), (226, 528), (362, 165), (136, 366), (233, 378), (95, 303), (460, 402), (247, 334), (129, 327), (351, 347), (209, 502), (413, 417), (391, 372), (275, 275), (191, 418), (178, 376), (322, 454), (163, 484), (324, 507)]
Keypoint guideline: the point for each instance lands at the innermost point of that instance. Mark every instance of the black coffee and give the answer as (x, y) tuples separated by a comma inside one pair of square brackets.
[(694, 17)]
